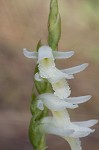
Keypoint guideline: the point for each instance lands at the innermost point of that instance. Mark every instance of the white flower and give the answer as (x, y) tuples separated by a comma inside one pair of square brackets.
[(48, 70), (60, 124), (53, 103)]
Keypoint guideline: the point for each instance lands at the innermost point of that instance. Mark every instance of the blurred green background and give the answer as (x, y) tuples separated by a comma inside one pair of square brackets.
[(22, 24)]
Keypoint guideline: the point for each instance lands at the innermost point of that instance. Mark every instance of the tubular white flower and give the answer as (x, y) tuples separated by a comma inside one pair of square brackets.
[(53, 103), (48, 70), (78, 130), (61, 122), (46, 63)]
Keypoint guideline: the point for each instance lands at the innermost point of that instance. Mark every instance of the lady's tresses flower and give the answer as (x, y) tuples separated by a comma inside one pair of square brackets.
[(48, 70), (60, 123)]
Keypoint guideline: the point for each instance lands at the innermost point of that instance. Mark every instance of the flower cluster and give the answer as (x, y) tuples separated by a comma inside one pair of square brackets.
[(58, 101)]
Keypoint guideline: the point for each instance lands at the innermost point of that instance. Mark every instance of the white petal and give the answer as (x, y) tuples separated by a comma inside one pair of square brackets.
[(74, 143), (54, 103), (76, 69), (88, 123), (80, 131), (29, 54), (62, 55), (37, 77), (40, 105), (44, 52), (78, 100), (79, 134)]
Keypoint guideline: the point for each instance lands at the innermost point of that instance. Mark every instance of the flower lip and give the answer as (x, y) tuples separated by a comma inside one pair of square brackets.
[(44, 52)]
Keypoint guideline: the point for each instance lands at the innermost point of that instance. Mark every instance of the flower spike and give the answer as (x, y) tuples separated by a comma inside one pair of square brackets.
[(54, 92), (60, 124)]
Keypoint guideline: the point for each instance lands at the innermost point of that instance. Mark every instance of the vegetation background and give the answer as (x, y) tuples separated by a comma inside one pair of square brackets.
[(22, 24)]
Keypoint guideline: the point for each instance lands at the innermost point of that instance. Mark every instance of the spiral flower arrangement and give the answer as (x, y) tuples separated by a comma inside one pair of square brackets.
[(54, 92)]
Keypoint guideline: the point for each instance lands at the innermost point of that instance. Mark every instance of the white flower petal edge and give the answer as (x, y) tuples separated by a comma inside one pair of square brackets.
[(62, 55), (88, 123), (29, 54), (78, 100), (53, 103), (76, 69)]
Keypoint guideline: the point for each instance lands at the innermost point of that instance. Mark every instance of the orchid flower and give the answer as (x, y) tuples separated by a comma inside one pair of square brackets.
[(47, 69), (60, 124)]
